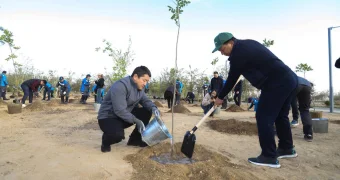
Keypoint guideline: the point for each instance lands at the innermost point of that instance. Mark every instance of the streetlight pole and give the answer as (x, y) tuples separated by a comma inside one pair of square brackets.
[(331, 97)]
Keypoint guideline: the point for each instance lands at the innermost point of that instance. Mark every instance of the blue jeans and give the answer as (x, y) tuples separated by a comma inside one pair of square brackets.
[(207, 108), (99, 96), (27, 93)]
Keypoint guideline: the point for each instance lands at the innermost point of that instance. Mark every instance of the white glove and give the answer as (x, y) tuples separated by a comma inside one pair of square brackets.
[(64, 92)]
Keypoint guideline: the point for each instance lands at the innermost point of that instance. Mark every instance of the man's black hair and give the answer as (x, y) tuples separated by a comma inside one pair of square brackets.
[(44, 81), (232, 39), (141, 71), (215, 72)]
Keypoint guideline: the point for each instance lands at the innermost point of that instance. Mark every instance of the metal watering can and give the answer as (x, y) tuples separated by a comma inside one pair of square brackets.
[(155, 132)]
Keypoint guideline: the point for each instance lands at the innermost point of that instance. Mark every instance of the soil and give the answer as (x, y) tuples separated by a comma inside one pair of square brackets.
[(232, 126), (207, 165), (180, 109), (335, 121), (91, 125), (184, 102), (65, 144), (235, 108), (54, 102), (36, 106), (158, 104), (2, 102)]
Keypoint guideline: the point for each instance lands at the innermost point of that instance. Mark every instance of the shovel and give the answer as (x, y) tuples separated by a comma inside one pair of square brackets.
[(189, 140)]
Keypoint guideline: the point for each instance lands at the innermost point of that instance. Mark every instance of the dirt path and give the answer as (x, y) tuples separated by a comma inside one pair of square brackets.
[(64, 143)]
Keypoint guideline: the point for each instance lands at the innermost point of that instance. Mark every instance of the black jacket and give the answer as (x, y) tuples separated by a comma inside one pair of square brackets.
[(216, 84), (256, 63), (100, 83)]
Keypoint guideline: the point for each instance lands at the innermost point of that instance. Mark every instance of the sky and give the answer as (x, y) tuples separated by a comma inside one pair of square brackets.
[(62, 35)]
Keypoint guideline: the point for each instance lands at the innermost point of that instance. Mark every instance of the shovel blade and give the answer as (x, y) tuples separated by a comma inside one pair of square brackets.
[(188, 144)]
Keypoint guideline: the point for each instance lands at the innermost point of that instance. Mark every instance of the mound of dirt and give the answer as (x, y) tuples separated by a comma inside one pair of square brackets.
[(76, 100), (36, 106), (180, 109), (158, 104), (235, 108), (195, 105), (54, 102), (206, 165), (335, 122), (232, 126)]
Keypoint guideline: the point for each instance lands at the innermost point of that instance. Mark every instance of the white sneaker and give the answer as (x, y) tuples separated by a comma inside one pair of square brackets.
[(23, 105)]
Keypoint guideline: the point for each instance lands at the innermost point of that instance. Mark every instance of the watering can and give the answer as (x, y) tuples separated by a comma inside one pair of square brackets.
[(155, 132)]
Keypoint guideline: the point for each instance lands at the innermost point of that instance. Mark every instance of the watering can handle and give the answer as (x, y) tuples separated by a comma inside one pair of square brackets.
[(202, 120)]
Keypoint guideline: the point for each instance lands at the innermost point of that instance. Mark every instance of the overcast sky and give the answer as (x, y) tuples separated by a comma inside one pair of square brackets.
[(62, 35)]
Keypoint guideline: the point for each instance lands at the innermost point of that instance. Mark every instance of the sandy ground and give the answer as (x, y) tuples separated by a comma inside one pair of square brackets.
[(63, 142)]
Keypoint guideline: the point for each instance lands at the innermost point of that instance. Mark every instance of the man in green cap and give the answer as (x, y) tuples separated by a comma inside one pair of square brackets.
[(277, 83)]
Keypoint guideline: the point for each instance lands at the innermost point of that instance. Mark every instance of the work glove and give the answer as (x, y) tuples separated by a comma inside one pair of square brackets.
[(156, 112), (64, 92), (139, 125)]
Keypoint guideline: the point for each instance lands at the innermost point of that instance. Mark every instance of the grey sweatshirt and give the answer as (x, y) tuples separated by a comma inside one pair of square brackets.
[(122, 97)]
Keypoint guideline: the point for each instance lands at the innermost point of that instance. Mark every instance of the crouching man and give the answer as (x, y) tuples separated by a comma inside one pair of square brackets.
[(119, 110)]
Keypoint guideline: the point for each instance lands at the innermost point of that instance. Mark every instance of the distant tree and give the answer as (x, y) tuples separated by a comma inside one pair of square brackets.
[(7, 38), (121, 59), (214, 62), (303, 67), (268, 42)]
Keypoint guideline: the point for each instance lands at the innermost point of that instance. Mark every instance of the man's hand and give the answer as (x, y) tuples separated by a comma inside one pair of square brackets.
[(140, 125), (237, 92), (156, 112), (218, 101), (64, 92)]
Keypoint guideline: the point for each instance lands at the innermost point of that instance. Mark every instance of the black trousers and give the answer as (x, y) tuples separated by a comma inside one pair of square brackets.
[(303, 96), (273, 107), (237, 98), (113, 129), (168, 95)]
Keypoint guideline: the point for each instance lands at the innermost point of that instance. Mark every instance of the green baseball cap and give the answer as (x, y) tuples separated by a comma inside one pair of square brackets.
[(220, 39)]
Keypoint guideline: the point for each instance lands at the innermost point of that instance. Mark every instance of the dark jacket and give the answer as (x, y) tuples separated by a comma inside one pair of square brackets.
[(100, 83), (238, 86), (122, 97), (64, 86), (216, 84), (303, 81), (256, 63), (33, 84), (170, 88)]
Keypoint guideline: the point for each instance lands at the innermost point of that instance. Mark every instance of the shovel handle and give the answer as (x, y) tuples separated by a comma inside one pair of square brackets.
[(209, 112), (202, 120)]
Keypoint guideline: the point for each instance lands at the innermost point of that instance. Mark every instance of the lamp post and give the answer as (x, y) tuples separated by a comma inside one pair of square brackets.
[(331, 97)]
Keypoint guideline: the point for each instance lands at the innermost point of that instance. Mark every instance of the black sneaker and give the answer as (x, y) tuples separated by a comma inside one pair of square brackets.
[(105, 148), (265, 161), (308, 137), (286, 153)]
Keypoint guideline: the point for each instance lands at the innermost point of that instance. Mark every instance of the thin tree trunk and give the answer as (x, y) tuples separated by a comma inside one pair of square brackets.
[(174, 97)]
